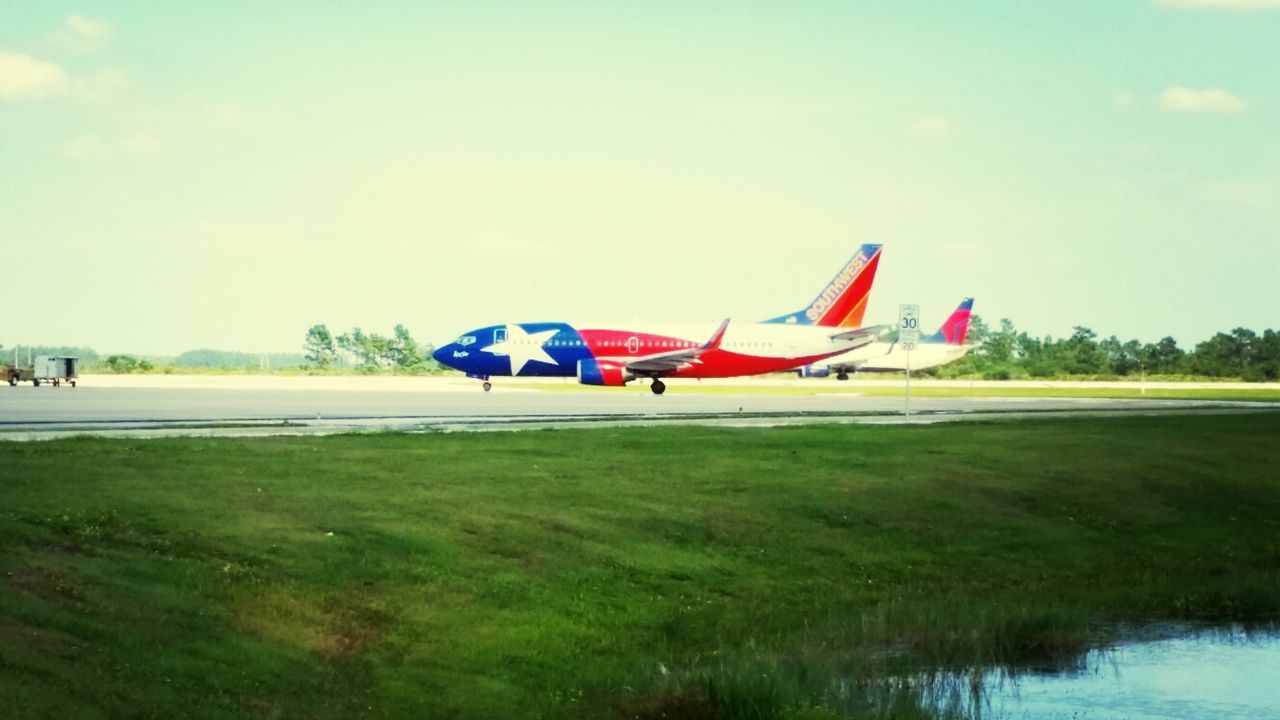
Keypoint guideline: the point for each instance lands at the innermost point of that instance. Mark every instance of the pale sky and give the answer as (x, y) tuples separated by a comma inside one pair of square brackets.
[(184, 175)]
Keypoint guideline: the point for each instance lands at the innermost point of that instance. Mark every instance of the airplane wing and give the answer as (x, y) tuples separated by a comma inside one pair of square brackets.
[(870, 332), (676, 359)]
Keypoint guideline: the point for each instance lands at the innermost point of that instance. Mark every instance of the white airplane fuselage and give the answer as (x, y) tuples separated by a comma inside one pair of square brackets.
[(890, 357)]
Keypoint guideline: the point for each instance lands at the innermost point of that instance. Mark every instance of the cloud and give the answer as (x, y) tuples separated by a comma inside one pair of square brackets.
[(1222, 4), (932, 128), (1212, 100), (22, 77), (80, 34)]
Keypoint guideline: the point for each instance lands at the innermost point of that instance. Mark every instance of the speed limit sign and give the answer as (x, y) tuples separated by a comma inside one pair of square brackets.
[(908, 326)]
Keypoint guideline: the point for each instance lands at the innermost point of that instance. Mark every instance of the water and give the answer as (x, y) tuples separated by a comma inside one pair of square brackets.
[(1219, 674)]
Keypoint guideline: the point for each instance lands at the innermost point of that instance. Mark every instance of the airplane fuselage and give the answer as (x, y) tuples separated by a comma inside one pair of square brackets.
[(561, 349), (890, 357)]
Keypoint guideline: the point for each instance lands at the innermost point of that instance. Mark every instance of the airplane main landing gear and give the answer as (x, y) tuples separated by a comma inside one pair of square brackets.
[(658, 387), (842, 375)]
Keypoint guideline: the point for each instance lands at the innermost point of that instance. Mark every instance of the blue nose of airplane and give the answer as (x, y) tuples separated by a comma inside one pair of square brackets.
[(444, 355)]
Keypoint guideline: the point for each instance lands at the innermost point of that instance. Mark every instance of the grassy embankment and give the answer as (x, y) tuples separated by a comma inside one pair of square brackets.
[(890, 388), (673, 572)]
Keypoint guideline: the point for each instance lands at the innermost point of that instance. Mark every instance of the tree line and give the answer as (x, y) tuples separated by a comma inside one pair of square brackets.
[(368, 352), (1002, 353), (1006, 353), (205, 359)]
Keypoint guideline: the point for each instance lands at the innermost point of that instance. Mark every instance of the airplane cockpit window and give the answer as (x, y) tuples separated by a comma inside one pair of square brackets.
[(466, 340)]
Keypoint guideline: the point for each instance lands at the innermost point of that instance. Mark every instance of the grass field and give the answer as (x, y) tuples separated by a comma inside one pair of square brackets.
[(640, 573), (890, 389)]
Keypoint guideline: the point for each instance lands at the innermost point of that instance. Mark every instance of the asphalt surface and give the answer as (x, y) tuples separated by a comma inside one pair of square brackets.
[(225, 407)]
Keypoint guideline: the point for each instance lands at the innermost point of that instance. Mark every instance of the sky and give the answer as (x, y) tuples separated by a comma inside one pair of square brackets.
[(226, 175)]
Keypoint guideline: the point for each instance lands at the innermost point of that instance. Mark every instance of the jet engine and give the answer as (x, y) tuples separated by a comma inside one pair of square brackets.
[(608, 373), (818, 371)]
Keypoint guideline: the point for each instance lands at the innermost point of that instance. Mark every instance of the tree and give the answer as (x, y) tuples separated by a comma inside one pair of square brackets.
[(1081, 353), (1224, 355), (320, 347), (978, 330), (1162, 358), (1040, 357), (372, 351), (1121, 358), (998, 347), (208, 358), (405, 352), (125, 364), (1265, 363)]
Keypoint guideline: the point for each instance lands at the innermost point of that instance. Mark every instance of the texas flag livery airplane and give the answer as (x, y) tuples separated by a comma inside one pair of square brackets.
[(614, 354)]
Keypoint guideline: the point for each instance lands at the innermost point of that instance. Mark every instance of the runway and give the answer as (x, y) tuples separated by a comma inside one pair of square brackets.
[(153, 406)]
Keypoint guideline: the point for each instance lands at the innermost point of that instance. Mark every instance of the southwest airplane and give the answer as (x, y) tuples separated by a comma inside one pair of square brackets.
[(614, 354), (940, 348)]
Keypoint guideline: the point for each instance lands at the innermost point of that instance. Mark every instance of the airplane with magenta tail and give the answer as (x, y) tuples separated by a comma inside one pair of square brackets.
[(940, 348), (614, 354)]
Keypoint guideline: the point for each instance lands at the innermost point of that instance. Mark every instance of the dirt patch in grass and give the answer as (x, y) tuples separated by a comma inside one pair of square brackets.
[(344, 639), (679, 707), (302, 619), (47, 585), (32, 640)]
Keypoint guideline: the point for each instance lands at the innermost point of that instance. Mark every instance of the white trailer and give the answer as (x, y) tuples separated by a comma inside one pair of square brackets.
[(55, 369)]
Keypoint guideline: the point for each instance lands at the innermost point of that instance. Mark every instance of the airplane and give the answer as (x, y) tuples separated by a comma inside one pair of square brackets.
[(614, 354), (940, 348)]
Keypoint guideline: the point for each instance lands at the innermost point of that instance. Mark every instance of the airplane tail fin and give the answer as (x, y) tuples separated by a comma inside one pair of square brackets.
[(956, 327), (844, 301)]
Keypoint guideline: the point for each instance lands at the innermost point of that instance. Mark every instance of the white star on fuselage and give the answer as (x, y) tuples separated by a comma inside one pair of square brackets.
[(522, 347)]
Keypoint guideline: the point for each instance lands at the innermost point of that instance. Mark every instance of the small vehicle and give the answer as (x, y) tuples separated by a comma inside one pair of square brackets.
[(16, 374), (53, 369)]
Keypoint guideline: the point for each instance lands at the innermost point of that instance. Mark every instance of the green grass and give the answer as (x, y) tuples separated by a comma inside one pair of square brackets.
[(607, 573), (819, 386)]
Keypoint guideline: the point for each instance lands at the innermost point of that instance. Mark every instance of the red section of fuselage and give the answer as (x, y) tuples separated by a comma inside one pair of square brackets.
[(726, 363), (718, 363)]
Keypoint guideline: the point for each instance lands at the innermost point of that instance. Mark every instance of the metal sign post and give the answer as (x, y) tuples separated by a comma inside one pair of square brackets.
[(908, 336)]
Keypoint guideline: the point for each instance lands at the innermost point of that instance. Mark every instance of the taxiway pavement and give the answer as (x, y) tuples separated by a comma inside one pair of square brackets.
[(271, 405)]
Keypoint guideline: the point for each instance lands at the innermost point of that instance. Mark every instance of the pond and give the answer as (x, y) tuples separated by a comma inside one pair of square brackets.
[(1164, 673)]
